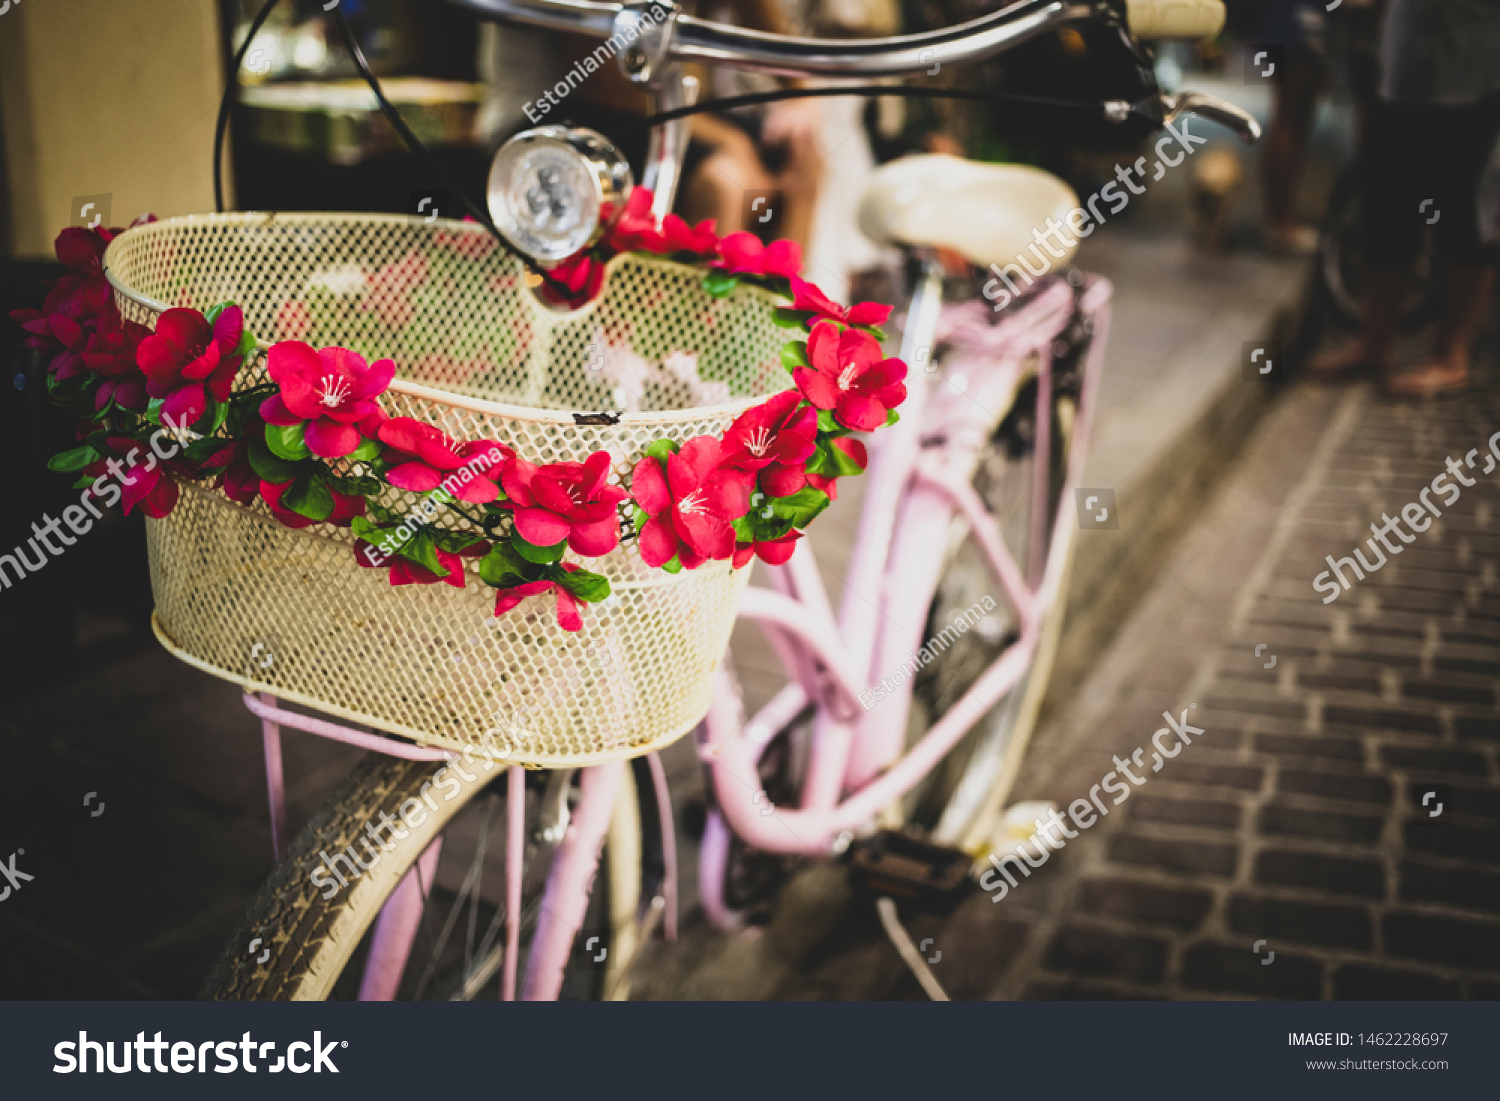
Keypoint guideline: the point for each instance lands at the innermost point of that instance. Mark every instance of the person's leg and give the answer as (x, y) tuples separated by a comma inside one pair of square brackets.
[(1381, 297), (1285, 152), (1465, 294), (1464, 136), (1389, 235)]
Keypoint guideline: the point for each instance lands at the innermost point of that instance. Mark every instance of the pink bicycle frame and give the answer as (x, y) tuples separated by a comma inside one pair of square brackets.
[(569, 879), (919, 478)]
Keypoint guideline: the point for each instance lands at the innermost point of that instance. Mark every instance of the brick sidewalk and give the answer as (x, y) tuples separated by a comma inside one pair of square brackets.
[(1296, 818)]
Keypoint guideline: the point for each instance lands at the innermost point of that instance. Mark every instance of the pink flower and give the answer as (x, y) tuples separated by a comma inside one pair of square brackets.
[(345, 508), (637, 231), (691, 504), (568, 617), (144, 479), (238, 481), (850, 376), (293, 321), (114, 345), (809, 299), (184, 354), (426, 458), (580, 277), (776, 438), (389, 291), (403, 571), (83, 249), (828, 483), (569, 501), (773, 552), (743, 253), (332, 390)]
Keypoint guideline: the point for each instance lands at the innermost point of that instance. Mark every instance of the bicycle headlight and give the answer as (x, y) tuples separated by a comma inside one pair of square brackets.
[(555, 190)]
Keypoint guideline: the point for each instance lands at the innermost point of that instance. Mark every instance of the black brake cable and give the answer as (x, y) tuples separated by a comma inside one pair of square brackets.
[(417, 148), (413, 144), (898, 91), (228, 98)]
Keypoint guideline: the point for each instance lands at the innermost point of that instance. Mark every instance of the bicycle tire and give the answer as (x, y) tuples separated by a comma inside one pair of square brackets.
[(1341, 260), (312, 940)]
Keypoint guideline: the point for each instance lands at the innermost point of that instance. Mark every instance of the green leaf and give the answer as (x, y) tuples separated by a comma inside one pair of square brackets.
[(673, 566), (66, 462), (455, 541), (891, 417), (214, 311), (660, 449), (827, 422), (720, 284), (267, 465), (365, 530), (640, 516), (241, 415), (821, 462), (220, 411), (791, 319), (309, 495), (794, 355), (366, 451), (843, 465), (200, 450), (66, 391), (502, 567), (286, 442), (85, 482), (540, 555), (380, 512), (422, 549), (743, 531), (800, 507), (357, 486), (876, 331), (587, 587)]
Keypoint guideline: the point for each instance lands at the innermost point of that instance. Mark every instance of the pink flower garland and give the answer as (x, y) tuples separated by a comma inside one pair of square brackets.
[(748, 494)]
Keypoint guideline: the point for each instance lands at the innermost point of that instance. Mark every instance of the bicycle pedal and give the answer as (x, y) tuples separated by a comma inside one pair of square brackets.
[(931, 877)]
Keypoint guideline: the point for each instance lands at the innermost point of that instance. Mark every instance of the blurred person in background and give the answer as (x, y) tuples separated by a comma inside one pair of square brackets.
[(777, 147), (1299, 27), (1427, 142)]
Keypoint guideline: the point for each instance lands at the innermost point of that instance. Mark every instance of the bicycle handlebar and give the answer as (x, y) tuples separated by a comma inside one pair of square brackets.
[(704, 40)]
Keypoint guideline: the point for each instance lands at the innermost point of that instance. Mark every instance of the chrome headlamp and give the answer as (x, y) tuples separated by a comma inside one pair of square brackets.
[(555, 190)]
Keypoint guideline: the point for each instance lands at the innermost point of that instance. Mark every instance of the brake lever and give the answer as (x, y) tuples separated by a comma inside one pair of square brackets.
[(1162, 109)]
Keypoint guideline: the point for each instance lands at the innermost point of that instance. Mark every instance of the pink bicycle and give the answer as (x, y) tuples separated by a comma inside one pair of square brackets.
[(903, 717)]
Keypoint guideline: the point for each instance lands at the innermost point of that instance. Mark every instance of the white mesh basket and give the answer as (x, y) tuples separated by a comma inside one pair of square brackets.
[(289, 611)]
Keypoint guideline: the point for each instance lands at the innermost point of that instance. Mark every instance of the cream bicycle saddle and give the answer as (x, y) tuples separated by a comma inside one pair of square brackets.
[(987, 212)]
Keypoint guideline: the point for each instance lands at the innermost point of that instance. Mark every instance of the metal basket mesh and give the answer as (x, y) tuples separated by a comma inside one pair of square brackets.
[(289, 611)]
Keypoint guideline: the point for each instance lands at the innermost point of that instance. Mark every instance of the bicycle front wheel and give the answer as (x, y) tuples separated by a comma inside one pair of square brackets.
[(320, 927)]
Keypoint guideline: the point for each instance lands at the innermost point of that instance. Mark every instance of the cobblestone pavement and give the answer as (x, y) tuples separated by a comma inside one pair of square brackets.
[(1299, 823)]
